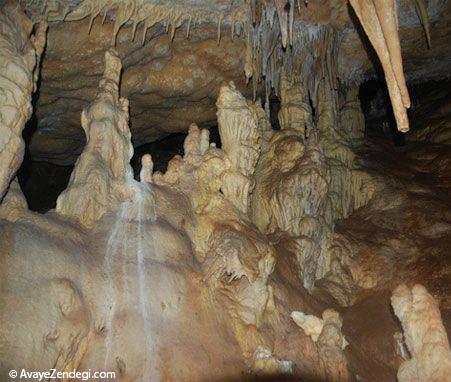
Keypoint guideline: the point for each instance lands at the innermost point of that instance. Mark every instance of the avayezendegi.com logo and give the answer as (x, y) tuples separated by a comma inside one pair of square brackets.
[(55, 374)]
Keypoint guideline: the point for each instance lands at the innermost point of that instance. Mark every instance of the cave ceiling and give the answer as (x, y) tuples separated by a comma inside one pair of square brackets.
[(174, 76)]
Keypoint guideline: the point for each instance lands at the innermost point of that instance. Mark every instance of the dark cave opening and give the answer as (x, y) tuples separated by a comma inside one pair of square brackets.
[(378, 112), (274, 108), (42, 182)]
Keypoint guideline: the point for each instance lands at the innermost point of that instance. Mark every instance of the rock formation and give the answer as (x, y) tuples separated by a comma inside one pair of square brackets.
[(240, 142), (425, 335), (102, 172), (326, 333), (277, 232), (19, 57), (380, 22), (307, 176), (166, 95)]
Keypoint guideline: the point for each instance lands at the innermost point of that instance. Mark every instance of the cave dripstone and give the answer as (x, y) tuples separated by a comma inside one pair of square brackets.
[(300, 232)]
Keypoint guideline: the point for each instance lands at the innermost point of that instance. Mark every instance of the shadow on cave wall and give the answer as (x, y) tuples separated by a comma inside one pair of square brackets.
[(42, 182)]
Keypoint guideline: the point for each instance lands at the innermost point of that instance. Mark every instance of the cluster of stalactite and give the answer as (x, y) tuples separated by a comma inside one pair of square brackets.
[(139, 13), (380, 22), (311, 52), (275, 43)]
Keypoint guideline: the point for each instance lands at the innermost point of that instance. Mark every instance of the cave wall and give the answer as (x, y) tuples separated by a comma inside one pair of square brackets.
[(272, 255)]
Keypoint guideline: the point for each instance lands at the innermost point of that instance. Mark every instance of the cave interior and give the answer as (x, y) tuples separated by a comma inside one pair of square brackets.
[(212, 190)]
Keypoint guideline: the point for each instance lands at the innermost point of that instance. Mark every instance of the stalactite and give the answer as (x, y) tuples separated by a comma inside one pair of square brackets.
[(19, 59), (312, 54), (14, 205), (140, 12), (188, 26), (219, 28), (421, 8), (379, 20), (283, 15)]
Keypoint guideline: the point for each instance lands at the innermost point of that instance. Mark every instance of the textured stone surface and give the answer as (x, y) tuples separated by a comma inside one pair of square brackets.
[(19, 56), (102, 173), (127, 293), (170, 85), (425, 336), (177, 277)]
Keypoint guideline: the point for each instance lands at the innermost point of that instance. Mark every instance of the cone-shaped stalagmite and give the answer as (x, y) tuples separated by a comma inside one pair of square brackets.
[(100, 176)]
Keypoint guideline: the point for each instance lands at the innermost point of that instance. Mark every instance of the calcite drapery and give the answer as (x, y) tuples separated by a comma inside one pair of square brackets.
[(19, 59), (102, 172), (424, 334), (379, 19)]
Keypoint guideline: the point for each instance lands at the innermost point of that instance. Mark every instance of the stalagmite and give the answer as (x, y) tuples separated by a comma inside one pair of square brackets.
[(14, 204), (312, 325), (147, 169), (251, 244), (291, 199), (330, 348), (295, 112), (19, 59), (101, 174), (380, 22), (240, 141), (352, 120), (425, 336), (326, 333), (350, 187), (236, 260)]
